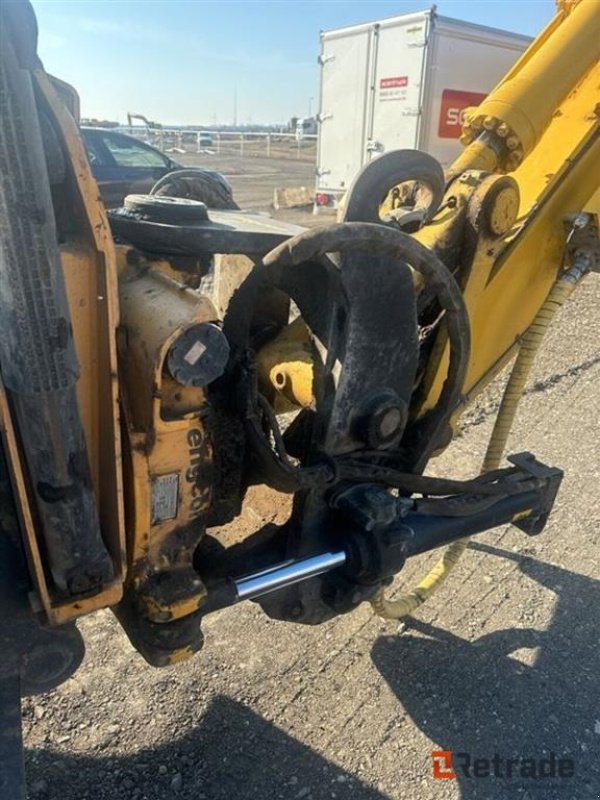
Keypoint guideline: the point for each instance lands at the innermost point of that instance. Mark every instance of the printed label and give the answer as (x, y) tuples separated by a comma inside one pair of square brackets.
[(165, 494), (195, 352), (393, 88), (392, 83)]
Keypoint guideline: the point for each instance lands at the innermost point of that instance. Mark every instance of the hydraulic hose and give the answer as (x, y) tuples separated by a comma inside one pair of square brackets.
[(530, 344)]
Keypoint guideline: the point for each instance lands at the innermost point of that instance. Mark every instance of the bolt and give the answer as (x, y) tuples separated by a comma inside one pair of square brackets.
[(513, 161), (580, 220), (503, 130), (512, 142), (390, 422), (489, 123), (382, 419)]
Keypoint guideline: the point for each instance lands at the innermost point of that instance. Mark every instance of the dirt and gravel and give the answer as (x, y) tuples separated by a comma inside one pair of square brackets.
[(503, 660), (254, 180)]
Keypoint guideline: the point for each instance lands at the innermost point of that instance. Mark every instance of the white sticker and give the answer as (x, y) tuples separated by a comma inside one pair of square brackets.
[(195, 352), (165, 497)]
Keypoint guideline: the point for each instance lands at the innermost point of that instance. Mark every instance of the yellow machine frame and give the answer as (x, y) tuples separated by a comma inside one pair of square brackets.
[(507, 232)]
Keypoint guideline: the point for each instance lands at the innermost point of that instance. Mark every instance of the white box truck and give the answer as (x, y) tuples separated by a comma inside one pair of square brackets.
[(401, 83)]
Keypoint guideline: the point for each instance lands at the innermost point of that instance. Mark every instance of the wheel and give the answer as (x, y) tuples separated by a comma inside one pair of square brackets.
[(380, 176), (207, 186)]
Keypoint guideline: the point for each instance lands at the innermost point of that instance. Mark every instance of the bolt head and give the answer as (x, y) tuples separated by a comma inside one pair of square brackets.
[(383, 419)]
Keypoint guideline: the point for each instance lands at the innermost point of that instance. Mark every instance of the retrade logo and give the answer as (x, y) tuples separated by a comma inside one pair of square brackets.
[(442, 764), (454, 102), (446, 764)]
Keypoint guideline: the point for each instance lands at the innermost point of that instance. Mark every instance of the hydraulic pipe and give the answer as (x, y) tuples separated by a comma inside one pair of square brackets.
[(423, 533), (517, 112), (227, 592), (369, 556), (287, 574)]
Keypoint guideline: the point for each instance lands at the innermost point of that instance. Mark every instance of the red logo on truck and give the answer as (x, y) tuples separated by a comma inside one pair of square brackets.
[(454, 103), (393, 83)]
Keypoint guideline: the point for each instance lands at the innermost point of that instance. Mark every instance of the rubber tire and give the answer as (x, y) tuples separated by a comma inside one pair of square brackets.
[(203, 185), (372, 184), (169, 210)]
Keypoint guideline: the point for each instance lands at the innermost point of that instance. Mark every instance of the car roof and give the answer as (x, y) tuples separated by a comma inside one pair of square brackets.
[(93, 129)]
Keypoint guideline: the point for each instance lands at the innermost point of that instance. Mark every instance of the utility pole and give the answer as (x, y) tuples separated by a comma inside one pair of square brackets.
[(235, 107)]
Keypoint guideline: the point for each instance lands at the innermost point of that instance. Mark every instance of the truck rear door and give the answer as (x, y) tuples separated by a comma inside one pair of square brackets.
[(397, 86), (345, 69)]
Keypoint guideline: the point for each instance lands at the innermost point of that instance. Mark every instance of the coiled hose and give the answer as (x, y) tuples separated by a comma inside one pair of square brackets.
[(530, 344)]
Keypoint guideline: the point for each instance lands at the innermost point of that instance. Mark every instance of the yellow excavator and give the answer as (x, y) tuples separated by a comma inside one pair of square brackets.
[(158, 359)]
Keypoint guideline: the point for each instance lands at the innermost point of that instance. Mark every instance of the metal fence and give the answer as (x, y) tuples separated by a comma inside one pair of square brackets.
[(242, 144)]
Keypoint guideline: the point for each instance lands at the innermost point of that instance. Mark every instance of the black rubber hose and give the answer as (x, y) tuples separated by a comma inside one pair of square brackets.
[(375, 180), (388, 241), (375, 238)]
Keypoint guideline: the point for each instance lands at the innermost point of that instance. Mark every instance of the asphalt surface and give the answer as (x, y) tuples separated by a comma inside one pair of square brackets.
[(503, 660)]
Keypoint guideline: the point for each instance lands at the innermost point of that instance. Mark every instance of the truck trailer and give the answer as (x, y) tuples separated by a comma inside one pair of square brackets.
[(401, 82)]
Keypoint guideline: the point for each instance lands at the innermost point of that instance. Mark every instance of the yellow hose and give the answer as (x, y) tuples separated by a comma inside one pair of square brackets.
[(530, 344)]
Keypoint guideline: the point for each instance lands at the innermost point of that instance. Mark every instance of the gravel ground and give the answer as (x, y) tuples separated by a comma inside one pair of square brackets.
[(504, 659), (254, 180)]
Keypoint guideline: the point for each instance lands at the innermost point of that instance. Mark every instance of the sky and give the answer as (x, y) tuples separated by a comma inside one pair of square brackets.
[(192, 61)]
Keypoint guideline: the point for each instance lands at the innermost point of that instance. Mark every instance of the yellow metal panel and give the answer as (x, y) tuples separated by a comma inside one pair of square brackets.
[(89, 267)]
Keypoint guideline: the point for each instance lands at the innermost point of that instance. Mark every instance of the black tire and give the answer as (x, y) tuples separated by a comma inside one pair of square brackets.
[(167, 209), (209, 187), (374, 181)]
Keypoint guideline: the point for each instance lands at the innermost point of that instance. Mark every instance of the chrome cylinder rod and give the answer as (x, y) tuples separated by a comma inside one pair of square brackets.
[(286, 574)]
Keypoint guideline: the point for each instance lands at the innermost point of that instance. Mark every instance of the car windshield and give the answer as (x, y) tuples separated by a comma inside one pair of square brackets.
[(93, 151), (128, 153)]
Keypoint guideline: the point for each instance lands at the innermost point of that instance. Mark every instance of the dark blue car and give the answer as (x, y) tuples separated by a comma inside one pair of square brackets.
[(123, 165)]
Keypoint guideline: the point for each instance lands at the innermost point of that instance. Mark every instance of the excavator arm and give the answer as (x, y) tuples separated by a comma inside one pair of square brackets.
[(151, 359), (148, 123)]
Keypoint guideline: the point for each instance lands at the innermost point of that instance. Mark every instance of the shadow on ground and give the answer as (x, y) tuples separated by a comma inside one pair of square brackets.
[(234, 753), (479, 698)]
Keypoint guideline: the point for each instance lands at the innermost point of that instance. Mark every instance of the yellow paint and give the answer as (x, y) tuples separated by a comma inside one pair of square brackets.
[(88, 262), (285, 368), (551, 68), (559, 176), (177, 656), (166, 437)]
